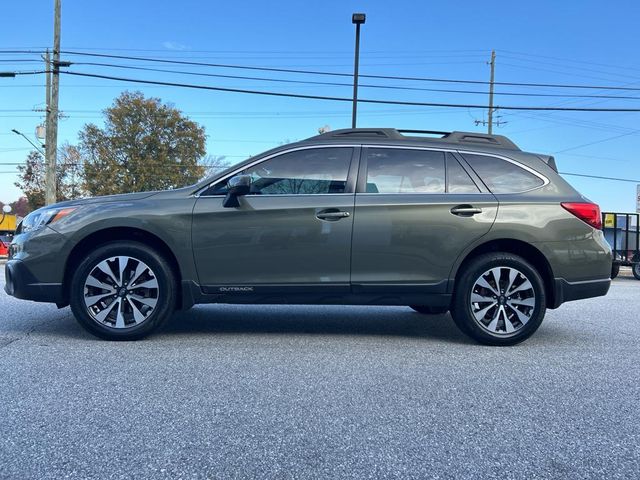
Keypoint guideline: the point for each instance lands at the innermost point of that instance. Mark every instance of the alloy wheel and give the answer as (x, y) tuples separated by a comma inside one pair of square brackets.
[(121, 292), (503, 300)]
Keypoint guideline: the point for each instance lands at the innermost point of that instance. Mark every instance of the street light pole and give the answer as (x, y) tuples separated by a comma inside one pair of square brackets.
[(357, 19), (27, 139)]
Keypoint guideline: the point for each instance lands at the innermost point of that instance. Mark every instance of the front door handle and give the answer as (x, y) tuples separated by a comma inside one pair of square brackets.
[(466, 210), (331, 214)]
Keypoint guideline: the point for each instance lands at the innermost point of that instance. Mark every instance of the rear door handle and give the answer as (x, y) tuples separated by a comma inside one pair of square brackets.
[(466, 210), (331, 214)]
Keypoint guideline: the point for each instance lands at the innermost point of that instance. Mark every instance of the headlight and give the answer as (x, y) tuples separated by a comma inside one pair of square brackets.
[(42, 217)]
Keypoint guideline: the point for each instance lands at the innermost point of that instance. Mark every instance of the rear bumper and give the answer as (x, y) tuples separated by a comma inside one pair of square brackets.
[(566, 291), (20, 283)]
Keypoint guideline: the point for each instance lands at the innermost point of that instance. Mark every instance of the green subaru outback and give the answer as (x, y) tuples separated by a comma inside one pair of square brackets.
[(460, 222)]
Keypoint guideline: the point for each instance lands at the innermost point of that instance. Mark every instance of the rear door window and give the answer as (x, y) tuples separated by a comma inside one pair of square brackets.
[(398, 170), (501, 176)]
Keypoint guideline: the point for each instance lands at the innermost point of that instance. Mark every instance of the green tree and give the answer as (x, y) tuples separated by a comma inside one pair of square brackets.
[(20, 207), (31, 176), (144, 145), (214, 164), (31, 180)]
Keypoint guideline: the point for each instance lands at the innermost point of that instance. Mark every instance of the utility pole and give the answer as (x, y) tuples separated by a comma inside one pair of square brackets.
[(493, 67), (49, 174), (52, 111)]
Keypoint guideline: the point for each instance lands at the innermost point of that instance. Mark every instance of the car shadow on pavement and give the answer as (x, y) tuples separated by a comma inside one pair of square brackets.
[(314, 320), (212, 320)]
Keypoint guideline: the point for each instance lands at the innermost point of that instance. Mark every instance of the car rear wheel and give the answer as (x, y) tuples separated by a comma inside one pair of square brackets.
[(123, 291), (635, 269), (428, 310), (499, 299)]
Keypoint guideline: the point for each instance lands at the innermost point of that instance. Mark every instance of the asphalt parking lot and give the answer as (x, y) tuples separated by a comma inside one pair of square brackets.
[(321, 392)]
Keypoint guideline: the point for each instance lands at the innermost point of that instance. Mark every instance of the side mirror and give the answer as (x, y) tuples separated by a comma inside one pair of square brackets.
[(237, 186)]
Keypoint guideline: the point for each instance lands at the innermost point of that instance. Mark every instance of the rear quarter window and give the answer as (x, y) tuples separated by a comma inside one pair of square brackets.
[(501, 176)]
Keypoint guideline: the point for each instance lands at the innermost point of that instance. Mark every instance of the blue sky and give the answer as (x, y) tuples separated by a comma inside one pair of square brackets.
[(542, 42)]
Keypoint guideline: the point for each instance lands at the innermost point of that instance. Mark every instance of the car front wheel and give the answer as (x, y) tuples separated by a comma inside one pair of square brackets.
[(122, 291), (499, 299)]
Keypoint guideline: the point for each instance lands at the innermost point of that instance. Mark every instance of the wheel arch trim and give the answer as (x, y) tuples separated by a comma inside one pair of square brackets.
[(108, 234), (514, 246)]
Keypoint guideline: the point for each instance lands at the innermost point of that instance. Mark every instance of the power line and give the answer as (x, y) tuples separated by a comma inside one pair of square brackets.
[(546, 116), (598, 157), (344, 99), (568, 121), (598, 141), (566, 73), (571, 68), (37, 52), (27, 72), (339, 74), (203, 64), (345, 84), (598, 177), (16, 60), (571, 60), (446, 52)]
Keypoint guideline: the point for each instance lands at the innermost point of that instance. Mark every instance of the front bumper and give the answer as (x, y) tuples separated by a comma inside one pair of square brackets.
[(21, 283), (566, 291)]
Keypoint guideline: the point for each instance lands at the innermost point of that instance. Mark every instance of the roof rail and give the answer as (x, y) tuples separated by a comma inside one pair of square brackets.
[(392, 133), (360, 133), (481, 138), (426, 132)]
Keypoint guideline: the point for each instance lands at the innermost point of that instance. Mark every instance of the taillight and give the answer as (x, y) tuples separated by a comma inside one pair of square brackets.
[(587, 212)]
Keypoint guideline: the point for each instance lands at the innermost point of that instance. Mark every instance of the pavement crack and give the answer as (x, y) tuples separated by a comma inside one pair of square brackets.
[(7, 341)]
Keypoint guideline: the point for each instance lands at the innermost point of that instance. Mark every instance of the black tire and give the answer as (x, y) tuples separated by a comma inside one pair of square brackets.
[(132, 329), (615, 270), (488, 330), (428, 310), (635, 269)]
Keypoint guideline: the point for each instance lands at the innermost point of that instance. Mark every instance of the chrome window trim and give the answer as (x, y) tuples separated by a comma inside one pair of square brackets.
[(269, 157), (488, 202), (422, 193), (545, 180), (280, 195)]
